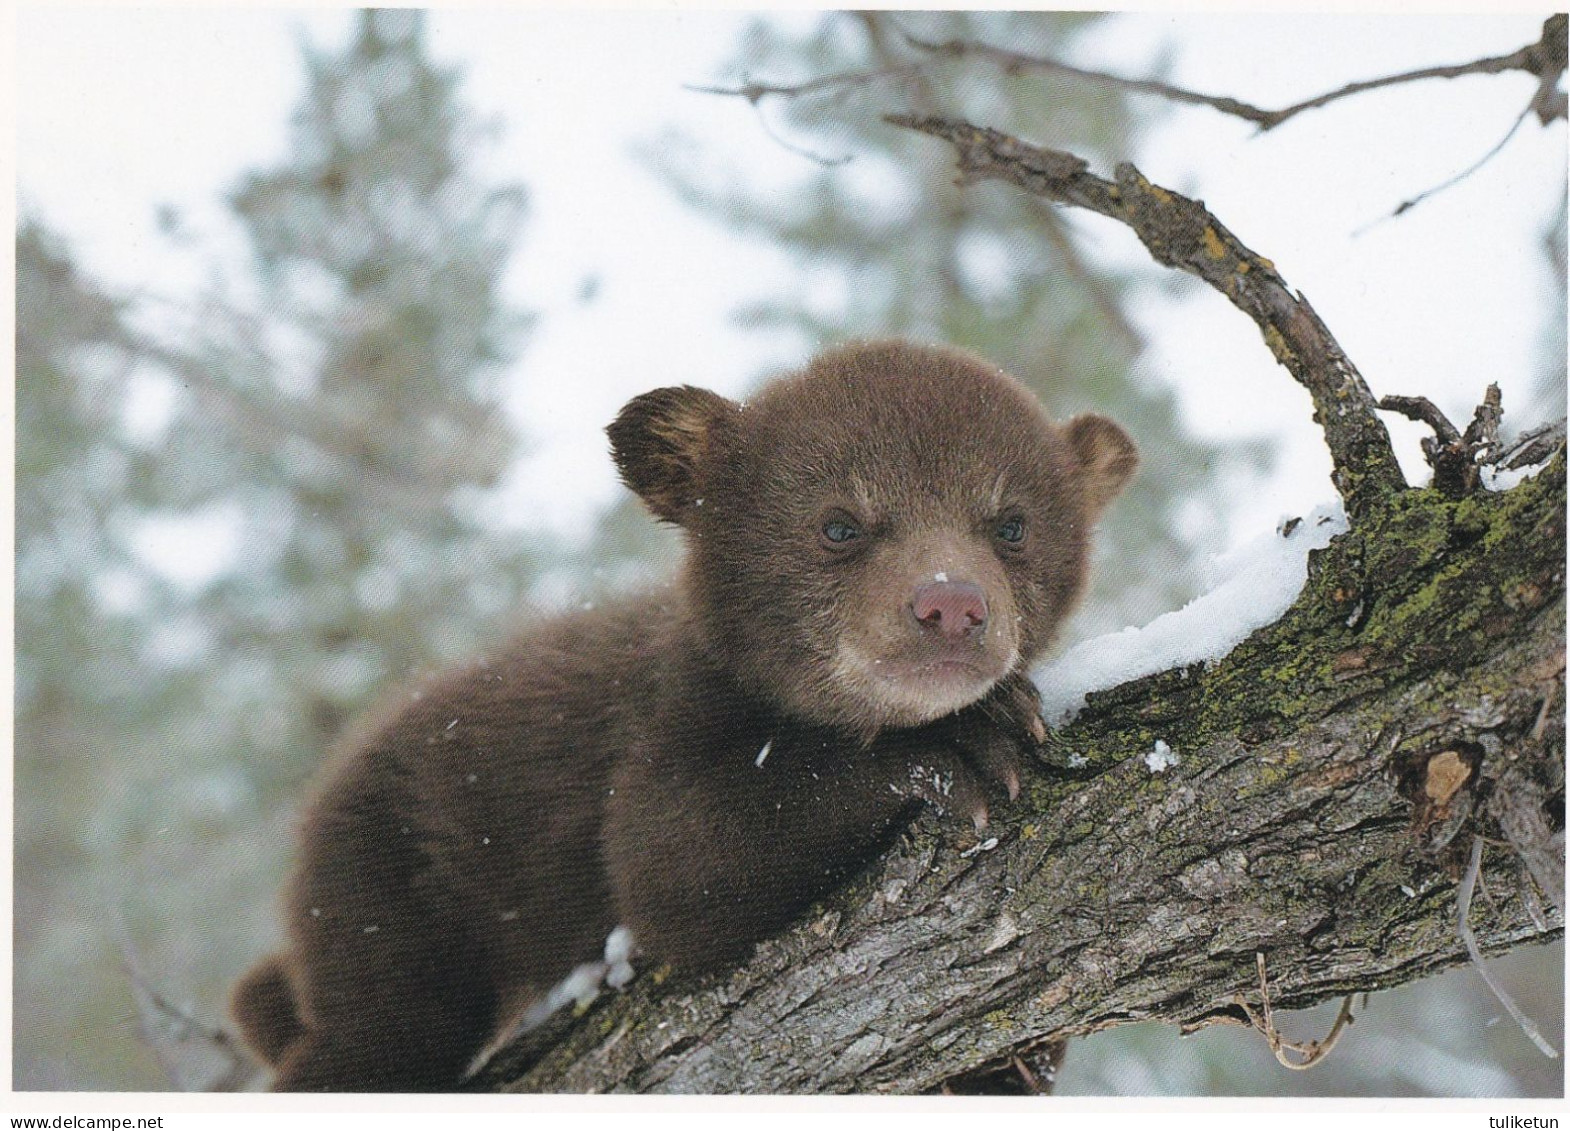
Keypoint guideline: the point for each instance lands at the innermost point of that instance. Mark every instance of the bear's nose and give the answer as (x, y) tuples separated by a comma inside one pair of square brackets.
[(957, 609)]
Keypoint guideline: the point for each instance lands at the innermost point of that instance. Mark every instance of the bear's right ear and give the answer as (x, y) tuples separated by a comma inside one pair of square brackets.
[(1107, 458), (658, 441)]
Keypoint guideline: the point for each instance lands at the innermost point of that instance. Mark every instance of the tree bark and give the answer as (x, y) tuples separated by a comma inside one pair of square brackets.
[(1331, 774)]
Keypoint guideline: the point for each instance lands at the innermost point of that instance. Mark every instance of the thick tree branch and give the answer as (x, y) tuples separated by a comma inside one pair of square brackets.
[(1181, 233)]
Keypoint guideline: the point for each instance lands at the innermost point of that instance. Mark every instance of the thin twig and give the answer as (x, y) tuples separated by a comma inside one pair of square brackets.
[(1012, 62), (815, 158), (1312, 1052), (1537, 58), (1522, 60), (1463, 910), (1407, 205), (755, 92), (177, 1039)]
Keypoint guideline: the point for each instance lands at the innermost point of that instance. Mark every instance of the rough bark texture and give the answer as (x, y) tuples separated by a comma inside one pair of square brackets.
[(1325, 770)]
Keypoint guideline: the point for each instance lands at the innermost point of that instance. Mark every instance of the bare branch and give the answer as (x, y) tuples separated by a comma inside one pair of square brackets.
[(1534, 446), (1409, 204), (1545, 59), (1013, 62), (1182, 233), (1426, 412), (194, 1056), (815, 158)]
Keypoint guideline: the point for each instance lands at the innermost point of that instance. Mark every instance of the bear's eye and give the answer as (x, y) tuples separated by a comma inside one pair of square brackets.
[(839, 531), (1011, 531)]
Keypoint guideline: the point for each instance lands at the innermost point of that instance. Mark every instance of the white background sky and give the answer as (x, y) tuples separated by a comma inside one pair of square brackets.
[(122, 110)]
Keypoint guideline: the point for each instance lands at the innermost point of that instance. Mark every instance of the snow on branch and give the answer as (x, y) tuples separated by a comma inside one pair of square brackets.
[(1250, 588), (1182, 233)]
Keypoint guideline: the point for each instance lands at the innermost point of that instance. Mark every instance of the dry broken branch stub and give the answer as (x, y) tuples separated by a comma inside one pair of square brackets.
[(1181, 233), (1456, 458)]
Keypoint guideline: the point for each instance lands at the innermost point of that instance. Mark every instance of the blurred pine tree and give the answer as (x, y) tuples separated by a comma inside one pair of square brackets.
[(331, 425), (80, 597)]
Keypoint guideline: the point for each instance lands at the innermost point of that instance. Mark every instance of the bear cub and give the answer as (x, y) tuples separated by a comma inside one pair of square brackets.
[(877, 548)]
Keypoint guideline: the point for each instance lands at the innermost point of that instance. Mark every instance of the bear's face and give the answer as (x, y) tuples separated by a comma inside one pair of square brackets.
[(877, 540)]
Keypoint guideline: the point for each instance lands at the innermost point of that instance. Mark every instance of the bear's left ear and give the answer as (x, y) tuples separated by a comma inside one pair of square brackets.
[(658, 441), (1107, 458)]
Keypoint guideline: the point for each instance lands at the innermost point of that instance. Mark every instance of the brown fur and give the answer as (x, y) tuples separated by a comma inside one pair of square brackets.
[(487, 835)]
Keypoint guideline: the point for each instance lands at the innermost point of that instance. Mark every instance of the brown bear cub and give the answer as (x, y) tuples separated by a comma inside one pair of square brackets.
[(877, 548)]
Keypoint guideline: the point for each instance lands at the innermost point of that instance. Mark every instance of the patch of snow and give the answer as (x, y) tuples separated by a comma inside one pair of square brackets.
[(1249, 588), (579, 988), (1160, 759), (620, 949), (1503, 479), (984, 846)]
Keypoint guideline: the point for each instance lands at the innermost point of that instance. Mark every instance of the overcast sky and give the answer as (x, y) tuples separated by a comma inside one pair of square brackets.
[(123, 110)]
